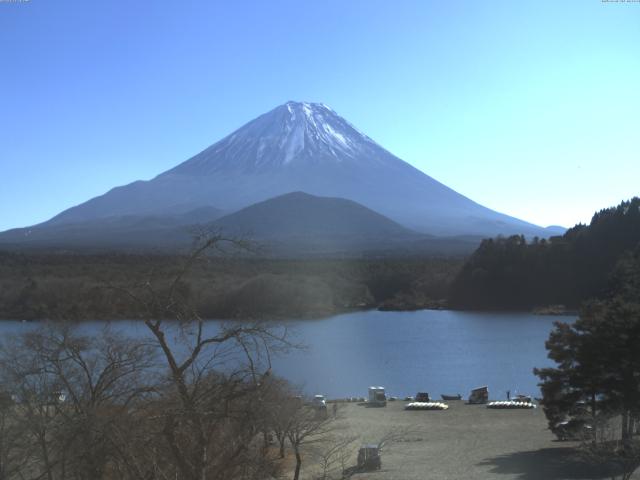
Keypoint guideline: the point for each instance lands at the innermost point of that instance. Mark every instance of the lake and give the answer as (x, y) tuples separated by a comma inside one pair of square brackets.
[(437, 351)]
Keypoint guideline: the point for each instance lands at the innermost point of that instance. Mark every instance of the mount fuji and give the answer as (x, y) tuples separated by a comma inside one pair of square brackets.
[(296, 147)]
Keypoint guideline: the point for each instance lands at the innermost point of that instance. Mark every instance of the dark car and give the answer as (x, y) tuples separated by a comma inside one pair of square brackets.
[(573, 429), (422, 397)]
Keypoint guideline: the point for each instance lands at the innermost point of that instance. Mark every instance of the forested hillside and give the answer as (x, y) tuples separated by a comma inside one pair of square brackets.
[(513, 273), (76, 287)]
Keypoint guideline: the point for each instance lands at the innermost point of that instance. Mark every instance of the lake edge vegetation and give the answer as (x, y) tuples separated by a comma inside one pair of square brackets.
[(81, 286), (184, 401)]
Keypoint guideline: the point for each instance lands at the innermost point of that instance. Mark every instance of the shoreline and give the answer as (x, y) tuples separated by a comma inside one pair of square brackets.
[(317, 315)]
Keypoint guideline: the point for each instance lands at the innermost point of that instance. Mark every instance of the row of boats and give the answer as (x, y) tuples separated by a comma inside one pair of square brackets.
[(423, 401), (426, 406), (478, 395), (508, 404)]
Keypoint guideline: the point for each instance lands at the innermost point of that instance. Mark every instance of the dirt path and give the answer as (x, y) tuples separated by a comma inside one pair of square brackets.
[(464, 442)]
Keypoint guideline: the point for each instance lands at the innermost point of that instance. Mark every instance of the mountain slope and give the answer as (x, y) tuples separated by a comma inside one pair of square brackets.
[(116, 232), (291, 225), (300, 214), (298, 224), (302, 147)]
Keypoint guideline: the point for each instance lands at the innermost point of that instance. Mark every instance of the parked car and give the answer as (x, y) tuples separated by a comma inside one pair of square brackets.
[(422, 397), (319, 402), (573, 429)]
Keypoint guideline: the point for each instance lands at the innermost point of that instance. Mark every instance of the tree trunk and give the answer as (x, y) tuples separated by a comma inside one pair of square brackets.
[(625, 430), (45, 455), (594, 439), (296, 474), (282, 438), (203, 472)]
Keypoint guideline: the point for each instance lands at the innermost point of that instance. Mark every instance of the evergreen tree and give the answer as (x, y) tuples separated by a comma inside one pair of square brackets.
[(511, 273), (598, 359)]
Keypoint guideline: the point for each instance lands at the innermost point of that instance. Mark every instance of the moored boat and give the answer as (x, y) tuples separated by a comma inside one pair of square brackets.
[(451, 397)]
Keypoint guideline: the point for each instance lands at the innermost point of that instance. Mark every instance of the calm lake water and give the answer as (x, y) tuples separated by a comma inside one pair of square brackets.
[(429, 350)]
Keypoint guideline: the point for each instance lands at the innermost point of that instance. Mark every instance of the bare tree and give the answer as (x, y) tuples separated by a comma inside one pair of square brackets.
[(333, 456), (215, 376), (279, 403), (307, 427), (189, 400), (395, 435), (12, 442), (24, 375), (72, 392)]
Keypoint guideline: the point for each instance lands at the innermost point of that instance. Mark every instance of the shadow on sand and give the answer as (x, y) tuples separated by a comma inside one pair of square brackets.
[(559, 463)]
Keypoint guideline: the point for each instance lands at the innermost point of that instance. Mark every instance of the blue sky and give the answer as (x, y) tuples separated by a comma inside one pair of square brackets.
[(530, 108)]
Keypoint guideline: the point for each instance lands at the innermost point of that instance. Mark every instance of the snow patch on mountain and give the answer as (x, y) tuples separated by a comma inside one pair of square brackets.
[(292, 135)]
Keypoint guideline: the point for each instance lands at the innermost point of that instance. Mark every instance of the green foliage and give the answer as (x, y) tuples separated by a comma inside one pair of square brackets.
[(597, 357), (512, 273)]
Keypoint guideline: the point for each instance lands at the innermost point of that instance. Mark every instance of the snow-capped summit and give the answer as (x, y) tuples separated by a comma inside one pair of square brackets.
[(294, 134), (302, 147)]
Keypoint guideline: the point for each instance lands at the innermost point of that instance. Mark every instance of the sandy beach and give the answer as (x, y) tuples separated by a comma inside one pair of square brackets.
[(464, 442)]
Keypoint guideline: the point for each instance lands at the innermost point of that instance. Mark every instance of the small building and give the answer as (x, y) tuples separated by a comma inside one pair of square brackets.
[(369, 458), (479, 395)]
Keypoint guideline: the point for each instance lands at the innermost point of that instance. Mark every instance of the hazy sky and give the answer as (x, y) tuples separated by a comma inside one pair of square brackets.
[(531, 108)]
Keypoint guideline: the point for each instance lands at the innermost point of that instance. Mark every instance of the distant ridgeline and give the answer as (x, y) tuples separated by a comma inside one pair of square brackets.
[(511, 273)]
